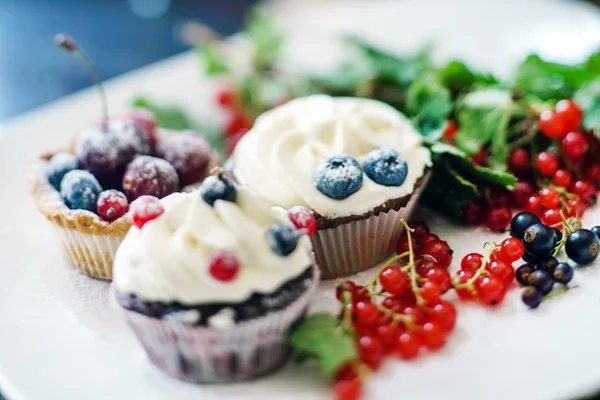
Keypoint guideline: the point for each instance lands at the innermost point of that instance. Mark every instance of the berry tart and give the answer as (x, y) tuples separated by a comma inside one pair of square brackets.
[(212, 281), (85, 188), (357, 164)]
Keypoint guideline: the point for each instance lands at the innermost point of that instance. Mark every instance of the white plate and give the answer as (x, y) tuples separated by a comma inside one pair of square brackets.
[(60, 338)]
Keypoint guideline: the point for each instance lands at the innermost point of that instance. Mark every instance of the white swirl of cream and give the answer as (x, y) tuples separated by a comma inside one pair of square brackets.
[(279, 155), (168, 259)]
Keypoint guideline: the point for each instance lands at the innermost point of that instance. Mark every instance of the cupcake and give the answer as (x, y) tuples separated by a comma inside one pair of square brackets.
[(212, 281), (358, 164), (84, 190)]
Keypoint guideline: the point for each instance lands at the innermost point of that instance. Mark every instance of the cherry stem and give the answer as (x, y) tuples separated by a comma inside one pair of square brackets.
[(68, 44)]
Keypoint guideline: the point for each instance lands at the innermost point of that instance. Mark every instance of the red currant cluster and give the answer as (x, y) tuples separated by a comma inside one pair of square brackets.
[(239, 120), (564, 177), (401, 310)]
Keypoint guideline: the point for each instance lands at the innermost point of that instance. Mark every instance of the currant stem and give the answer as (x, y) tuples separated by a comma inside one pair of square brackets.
[(397, 317), (68, 44), (412, 268), (347, 315)]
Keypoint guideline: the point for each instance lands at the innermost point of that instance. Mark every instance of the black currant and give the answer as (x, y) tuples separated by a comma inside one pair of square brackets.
[(548, 265), (522, 273), (532, 297), (520, 222), (539, 240), (541, 280), (531, 259), (558, 234), (563, 273), (582, 246), (596, 230)]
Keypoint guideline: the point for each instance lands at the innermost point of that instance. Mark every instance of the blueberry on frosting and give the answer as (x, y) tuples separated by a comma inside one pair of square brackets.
[(386, 166), (338, 176), (282, 238), (218, 188)]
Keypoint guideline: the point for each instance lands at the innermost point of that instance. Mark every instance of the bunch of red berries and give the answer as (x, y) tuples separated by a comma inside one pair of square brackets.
[(401, 311), (239, 121)]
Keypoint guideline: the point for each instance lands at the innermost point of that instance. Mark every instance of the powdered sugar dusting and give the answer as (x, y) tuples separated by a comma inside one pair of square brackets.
[(73, 179), (147, 207), (148, 175)]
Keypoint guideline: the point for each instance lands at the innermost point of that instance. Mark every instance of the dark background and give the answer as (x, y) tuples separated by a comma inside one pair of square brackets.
[(119, 35)]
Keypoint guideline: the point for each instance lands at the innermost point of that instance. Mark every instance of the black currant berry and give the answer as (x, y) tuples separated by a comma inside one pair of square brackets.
[(596, 230), (558, 234), (539, 240), (520, 222), (563, 273), (522, 274), (532, 297), (548, 265), (582, 246), (541, 280)]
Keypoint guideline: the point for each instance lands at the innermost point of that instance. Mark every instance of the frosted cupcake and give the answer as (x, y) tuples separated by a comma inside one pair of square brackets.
[(212, 281), (358, 164)]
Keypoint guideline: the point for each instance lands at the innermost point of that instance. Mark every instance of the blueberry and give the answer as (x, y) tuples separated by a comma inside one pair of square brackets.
[(563, 273), (282, 239), (522, 273), (548, 265), (338, 177), (386, 166), (521, 222), (582, 246), (58, 166), (539, 240), (557, 234), (596, 230), (218, 188), (532, 297), (79, 190), (541, 280)]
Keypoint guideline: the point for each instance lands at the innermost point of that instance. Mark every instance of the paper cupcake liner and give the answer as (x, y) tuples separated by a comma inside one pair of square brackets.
[(91, 254), (210, 355), (358, 245)]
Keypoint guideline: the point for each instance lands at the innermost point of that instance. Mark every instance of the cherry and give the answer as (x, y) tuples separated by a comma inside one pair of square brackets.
[(387, 335), (562, 178), (546, 163), (549, 197), (439, 276), (347, 389), (570, 113), (407, 345), (402, 246), (237, 123), (521, 193), (393, 280), (225, 97), (519, 160), (552, 124), (502, 270), (148, 175), (444, 315), (498, 218), (146, 120), (189, 153), (511, 250), (440, 251), (491, 289), (432, 335), (371, 351), (420, 228), (112, 205), (145, 209), (224, 265), (471, 213), (471, 262), (366, 312), (534, 205), (574, 145), (583, 189), (551, 217), (430, 292), (303, 218)]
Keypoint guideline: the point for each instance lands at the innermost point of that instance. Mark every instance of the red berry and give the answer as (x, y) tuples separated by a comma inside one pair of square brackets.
[(574, 145), (237, 123), (575, 208), (232, 140), (546, 163), (451, 130), (393, 280), (344, 286), (471, 262), (392, 303), (480, 158), (464, 292), (495, 253), (500, 198), (112, 205), (562, 178), (225, 97), (145, 209), (592, 174), (570, 113), (511, 250), (551, 216), (387, 335), (431, 292), (519, 160), (534, 204), (521, 193), (491, 289), (444, 315), (417, 315), (584, 190), (428, 237), (407, 345), (347, 389), (502, 270), (425, 265), (346, 373), (366, 312), (471, 213), (441, 277), (433, 335), (407, 298), (152, 176), (224, 265), (303, 218), (371, 351), (552, 124), (549, 197), (420, 228), (440, 251), (402, 246), (189, 153), (498, 218)]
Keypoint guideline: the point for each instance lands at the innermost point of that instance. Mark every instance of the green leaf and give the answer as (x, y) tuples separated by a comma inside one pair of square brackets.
[(429, 104), (214, 62), (263, 33), (345, 79), (457, 77), (320, 336), (588, 98), (167, 116)]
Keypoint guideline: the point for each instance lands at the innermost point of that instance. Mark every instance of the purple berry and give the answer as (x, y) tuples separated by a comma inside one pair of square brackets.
[(189, 153), (79, 190), (152, 176), (532, 297), (58, 166)]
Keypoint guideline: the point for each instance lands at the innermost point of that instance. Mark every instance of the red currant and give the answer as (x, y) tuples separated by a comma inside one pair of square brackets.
[(546, 163), (420, 228), (431, 292), (511, 249), (371, 351), (407, 345), (366, 313), (521, 193), (480, 158), (387, 335), (491, 289), (345, 373), (502, 270), (347, 389), (471, 213), (500, 198), (562, 178), (428, 237), (471, 262), (303, 218), (145, 209), (584, 190), (425, 265), (433, 335), (519, 160), (534, 204), (224, 265), (570, 113), (225, 97), (393, 280), (112, 205), (495, 253), (417, 315), (444, 315), (440, 251), (451, 130), (551, 216), (345, 286), (237, 123), (574, 145), (592, 174), (464, 292), (402, 246), (549, 197), (441, 277), (575, 208), (498, 218), (552, 124)]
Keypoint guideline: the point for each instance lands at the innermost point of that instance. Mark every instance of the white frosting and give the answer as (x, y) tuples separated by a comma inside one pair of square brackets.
[(168, 259), (279, 155)]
